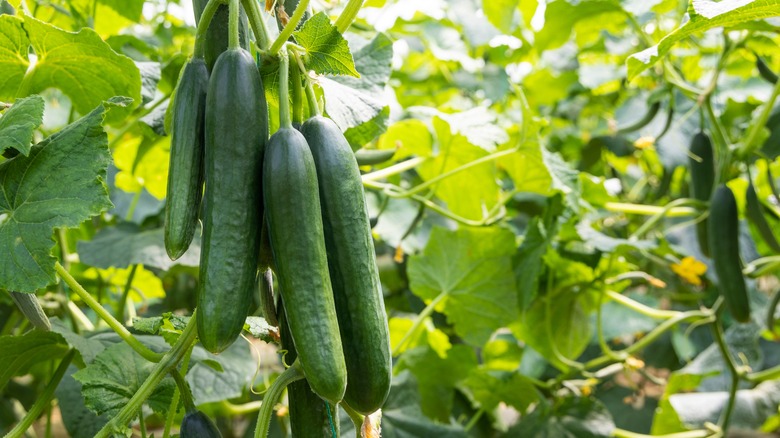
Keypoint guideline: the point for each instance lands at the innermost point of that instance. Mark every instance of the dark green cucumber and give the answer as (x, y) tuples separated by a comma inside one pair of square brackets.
[(352, 264), (723, 231), (6, 8), (289, 9), (370, 157), (196, 424), (236, 133), (292, 206), (764, 71), (755, 214), (217, 35), (185, 174), (308, 413), (702, 169), (30, 307), (644, 121)]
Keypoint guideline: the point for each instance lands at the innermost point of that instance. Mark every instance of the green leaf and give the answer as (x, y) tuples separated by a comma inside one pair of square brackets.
[(13, 57), (570, 418), (79, 421), (492, 387), (351, 101), (501, 13), (19, 353), (561, 16), (327, 52), (88, 347), (81, 64), (18, 124), (130, 9), (211, 384), (472, 269), (707, 14), (116, 374), (59, 185), (260, 329), (603, 242), (438, 376), (127, 244)]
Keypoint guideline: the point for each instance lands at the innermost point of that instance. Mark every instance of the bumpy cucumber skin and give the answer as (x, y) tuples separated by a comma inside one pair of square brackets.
[(292, 206), (236, 133), (702, 180), (198, 425), (218, 35), (308, 413), (30, 307), (755, 214), (352, 263), (724, 243), (185, 174)]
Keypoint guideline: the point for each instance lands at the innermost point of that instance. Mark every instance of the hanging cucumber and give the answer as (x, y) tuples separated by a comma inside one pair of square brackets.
[(370, 157), (295, 228), (30, 307), (236, 133), (196, 424), (755, 214), (723, 229), (352, 264), (702, 169), (217, 35), (309, 414), (185, 174), (764, 71)]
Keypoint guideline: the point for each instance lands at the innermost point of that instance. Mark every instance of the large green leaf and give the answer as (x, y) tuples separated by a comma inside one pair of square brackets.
[(569, 418), (327, 52), (13, 55), (18, 124), (59, 185), (472, 270), (18, 353), (706, 14)]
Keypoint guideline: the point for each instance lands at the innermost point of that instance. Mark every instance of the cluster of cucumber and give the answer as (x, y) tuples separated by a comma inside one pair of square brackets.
[(300, 191)]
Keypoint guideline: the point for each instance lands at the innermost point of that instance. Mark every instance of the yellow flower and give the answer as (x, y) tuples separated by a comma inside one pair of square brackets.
[(690, 270), (644, 142)]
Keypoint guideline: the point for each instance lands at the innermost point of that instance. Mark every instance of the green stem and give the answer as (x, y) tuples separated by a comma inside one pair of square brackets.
[(235, 410), (297, 95), (620, 433), (356, 417), (720, 138), (234, 41), (184, 391), (133, 205), (311, 97), (474, 420), (395, 169), (142, 422), (418, 322), (284, 90), (753, 135), (290, 27), (641, 308), (43, 400), (203, 25), (650, 223), (348, 15), (258, 24), (290, 375), (120, 310), (168, 362), (115, 325), (174, 407), (649, 210), (725, 418), (770, 314)]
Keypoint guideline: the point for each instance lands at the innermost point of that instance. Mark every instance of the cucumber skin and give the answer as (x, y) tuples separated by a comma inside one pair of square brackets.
[(30, 307), (308, 414), (295, 229), (755, 214), (218, 35), (236, 133), (198, 425), (702, 181), (352, 264), (724, 244), (185, 174)]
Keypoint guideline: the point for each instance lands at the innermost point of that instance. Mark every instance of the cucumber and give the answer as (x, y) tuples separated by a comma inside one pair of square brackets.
[(289, 9), (30, 307), (702, 169), (236, 133), (755, 214), (308, 413), (352, 265), (196, 424), (6, 8), (185, 174), (723, 231), (370, 157), (217, 35), (764, 71), (295, 229)]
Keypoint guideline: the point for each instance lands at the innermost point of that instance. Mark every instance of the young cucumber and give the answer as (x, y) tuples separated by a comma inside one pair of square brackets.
[(352, 264), (185, 175), (723, 231), (308, 413), (236, 133), (702, 166), (755, 214), (30, 307), (292, 208), (217, 35), (196, 424)]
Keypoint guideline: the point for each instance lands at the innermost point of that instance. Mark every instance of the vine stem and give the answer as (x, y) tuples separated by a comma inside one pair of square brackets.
[(258, 24), (348, 15), (185, 362), (168, 362), (290, 375), (649, 210), (115, 325), (751, 140), (641, 308), (725, 418), (44, 399), (203, 25), (184, 391), (418, 321), (356, 417), (284, 90), (394, 169), (120, 311), (297, 97), (290, 27), (234, 41), (620, 433), (650, 223), (311, 97)]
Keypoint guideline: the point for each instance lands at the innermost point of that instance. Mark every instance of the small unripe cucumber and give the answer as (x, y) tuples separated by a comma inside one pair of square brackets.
[(724, 244), (702, 167), (218, 35)]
